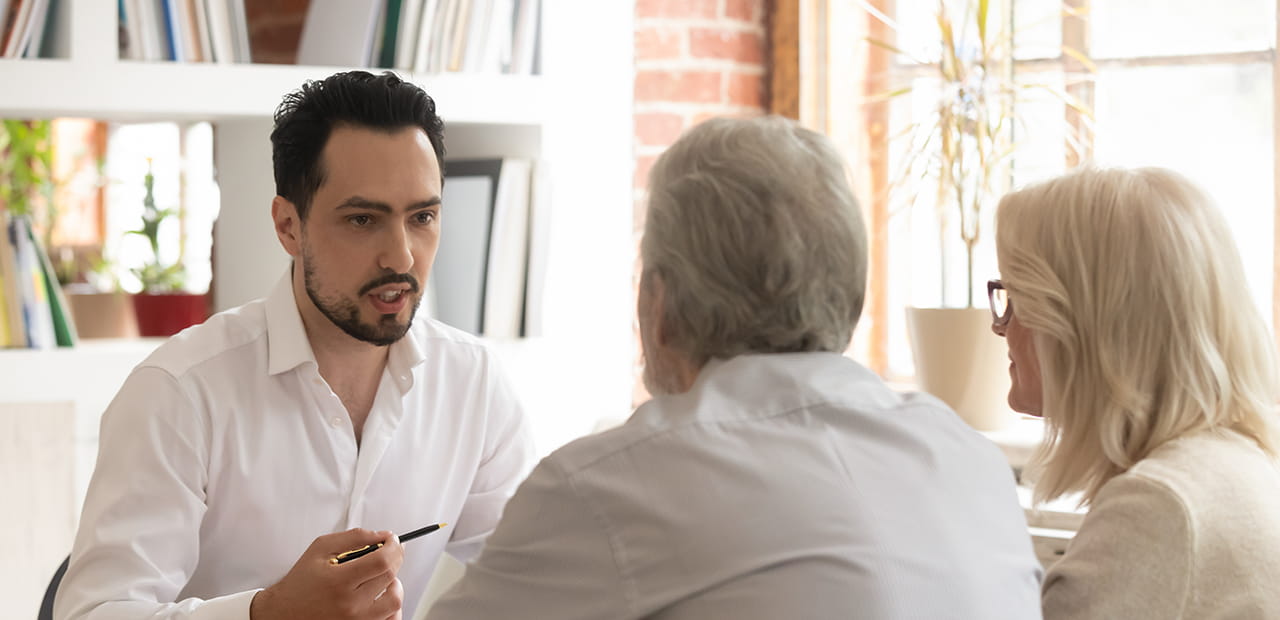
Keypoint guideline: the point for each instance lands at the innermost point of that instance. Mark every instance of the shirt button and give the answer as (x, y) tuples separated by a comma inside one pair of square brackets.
[(335, 422)]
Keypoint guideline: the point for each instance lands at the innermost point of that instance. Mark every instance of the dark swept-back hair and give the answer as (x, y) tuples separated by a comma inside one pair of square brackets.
[(307, 116)]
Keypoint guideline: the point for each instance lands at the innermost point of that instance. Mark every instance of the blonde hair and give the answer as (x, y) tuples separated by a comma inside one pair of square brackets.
[(1142, 322), (758, 240)]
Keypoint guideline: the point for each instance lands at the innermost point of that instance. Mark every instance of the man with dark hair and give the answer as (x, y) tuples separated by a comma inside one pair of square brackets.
[(234, 453)]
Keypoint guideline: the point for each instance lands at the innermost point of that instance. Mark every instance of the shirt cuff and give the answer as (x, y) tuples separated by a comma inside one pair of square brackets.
[(229, 607)]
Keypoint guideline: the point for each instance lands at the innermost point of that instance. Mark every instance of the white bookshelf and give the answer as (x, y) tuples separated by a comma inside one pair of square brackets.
[(574, 118)]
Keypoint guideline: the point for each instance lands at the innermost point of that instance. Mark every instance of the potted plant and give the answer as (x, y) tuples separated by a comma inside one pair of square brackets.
[(162, 307), (957, 160)]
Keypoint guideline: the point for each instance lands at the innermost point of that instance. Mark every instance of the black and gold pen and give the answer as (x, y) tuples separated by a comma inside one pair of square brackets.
[(347, 556)]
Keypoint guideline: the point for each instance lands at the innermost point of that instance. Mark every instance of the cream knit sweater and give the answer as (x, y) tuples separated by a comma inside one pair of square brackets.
[(1191, 532)]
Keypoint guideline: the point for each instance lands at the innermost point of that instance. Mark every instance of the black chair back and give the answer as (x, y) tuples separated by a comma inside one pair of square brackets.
[(46, 607)]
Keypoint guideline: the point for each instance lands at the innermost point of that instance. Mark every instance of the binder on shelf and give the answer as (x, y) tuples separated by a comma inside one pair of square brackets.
[(507, 266), (339, 33), (466, 217), (480, 273), (390, 33)]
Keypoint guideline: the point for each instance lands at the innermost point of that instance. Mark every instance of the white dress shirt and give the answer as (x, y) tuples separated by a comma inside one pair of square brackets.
[(790, 486), (225, 454)]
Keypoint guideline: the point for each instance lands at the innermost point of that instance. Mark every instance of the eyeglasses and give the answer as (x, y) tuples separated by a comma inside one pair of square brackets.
[(1001, 307)]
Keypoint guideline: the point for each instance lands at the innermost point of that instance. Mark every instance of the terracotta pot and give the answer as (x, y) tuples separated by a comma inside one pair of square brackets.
[(959, 360), (165, 314), (102, 315)]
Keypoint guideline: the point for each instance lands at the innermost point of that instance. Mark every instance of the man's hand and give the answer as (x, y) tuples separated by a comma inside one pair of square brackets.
[(365, 588)]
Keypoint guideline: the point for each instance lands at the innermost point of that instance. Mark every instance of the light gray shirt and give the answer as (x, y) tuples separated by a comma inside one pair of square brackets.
[(780, 486)]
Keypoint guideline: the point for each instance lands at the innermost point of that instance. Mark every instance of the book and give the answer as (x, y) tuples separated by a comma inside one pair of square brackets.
[(19, 14), (539, 250), (64, 328), (172, 31), (338, 33), (239, 21), (5, 339), (200, 10), (191, 48), (220, 37), (407, 33), (524, 45), (131, 35), (458, 37), (37, 314), (390, 32), (17, 326), (37, 25), (506, 268), (426, 33), (461, 264), (442, 36), (477, 35)]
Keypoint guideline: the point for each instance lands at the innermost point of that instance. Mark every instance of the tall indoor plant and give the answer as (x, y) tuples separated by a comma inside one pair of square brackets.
[(957, 158)]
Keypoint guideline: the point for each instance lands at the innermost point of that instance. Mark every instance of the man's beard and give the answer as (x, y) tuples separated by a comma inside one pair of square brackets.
[(344, 312)]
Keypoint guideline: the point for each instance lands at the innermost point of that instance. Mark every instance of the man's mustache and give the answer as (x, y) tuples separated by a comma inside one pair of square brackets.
[(391, 278)]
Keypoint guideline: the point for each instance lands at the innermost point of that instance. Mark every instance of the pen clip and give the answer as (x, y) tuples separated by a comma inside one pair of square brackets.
[(354, 553)]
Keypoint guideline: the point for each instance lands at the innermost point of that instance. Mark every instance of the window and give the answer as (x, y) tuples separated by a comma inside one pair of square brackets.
[(1181, 84)]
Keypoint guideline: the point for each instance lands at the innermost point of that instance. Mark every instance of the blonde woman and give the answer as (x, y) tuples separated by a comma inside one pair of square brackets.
[(1131, 331)]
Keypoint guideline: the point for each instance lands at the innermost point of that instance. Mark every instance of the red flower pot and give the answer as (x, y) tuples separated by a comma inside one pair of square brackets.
[(165, 314)]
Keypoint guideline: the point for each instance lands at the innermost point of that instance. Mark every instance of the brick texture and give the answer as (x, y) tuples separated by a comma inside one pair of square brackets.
[(695, 59)]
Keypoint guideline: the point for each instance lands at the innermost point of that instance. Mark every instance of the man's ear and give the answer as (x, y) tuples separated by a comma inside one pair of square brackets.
[(658, 308), (288, 225)]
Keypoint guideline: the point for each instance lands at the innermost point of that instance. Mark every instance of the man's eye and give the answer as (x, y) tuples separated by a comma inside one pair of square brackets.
[(360, 220), (425, 217)]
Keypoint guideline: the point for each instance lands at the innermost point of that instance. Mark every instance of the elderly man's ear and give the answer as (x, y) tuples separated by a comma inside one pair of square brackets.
[(651, 307)]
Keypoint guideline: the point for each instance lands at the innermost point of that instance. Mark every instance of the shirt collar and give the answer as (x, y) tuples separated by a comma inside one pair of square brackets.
[(287, 343), (288, 346)]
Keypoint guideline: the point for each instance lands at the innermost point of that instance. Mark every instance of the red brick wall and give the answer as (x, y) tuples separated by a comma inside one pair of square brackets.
[(695, 59)]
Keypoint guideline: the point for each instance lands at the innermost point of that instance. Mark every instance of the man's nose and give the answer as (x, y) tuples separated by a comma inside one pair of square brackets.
[(397, 251)]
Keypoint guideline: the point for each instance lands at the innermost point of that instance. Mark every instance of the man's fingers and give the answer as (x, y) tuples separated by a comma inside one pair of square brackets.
[(389, 604), (339, 542)]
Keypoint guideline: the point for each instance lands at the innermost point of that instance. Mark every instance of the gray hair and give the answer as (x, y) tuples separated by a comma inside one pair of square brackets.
[(757, 238), (1135, 294)]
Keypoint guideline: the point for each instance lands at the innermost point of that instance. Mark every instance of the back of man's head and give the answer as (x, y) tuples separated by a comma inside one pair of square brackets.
[(757, 239), (306, 117)]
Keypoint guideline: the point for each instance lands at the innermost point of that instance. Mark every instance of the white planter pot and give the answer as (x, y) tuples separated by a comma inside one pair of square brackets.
[(961, 361)]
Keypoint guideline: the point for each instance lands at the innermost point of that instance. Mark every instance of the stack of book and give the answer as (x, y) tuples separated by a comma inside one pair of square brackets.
[(184, 30), (24, 24), (424, 36), (490, 265), (33, 311)]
